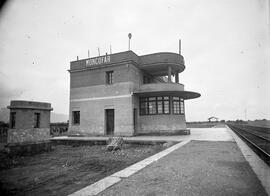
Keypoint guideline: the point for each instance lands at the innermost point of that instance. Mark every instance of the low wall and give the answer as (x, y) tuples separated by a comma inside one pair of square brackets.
[(165, 132), (162, 125), (28, 148), (103, 141), (28, 135)]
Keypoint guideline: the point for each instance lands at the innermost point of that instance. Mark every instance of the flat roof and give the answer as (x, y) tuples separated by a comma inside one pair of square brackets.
[(24, 104), (155, 64)]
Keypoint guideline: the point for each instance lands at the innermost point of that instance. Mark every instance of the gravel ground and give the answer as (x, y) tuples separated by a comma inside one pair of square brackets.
[(198, 168), (66, 169)]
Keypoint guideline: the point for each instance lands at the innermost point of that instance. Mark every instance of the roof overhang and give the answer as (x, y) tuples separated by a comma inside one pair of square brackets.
[(165, 89), (157, 64), (183, 94)]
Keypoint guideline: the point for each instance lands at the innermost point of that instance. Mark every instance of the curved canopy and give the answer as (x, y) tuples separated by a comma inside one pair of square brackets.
[(182, 94), (157, 64)]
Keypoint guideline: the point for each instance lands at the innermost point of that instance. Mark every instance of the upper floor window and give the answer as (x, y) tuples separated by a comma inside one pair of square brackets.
[(12, 120), (154, 105), (37, 120), (76, 117), (109, 77), (178, 105), (146, 80)]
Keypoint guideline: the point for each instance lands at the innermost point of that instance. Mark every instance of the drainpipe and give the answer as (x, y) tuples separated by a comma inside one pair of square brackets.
[(169, 74), (177, 77)]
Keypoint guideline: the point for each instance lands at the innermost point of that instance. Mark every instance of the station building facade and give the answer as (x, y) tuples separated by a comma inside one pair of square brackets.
[(124, 94)]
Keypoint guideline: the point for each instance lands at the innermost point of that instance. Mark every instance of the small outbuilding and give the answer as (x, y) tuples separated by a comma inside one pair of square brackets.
[(212, 119), (29, 124)]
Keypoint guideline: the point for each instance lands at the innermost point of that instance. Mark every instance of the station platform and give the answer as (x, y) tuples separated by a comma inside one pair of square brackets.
[(205, 134), (210, 161)]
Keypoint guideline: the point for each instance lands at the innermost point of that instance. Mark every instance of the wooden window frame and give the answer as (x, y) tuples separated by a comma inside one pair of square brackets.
[(37, 120), (109, 77), (148, 101), (178, 106)]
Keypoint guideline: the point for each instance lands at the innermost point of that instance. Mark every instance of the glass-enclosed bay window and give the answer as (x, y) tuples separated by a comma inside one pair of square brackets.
[(161, 105), (154, 105)]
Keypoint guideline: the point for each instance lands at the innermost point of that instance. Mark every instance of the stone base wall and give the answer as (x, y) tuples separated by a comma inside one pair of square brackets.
[(28, 135), (72, 133), (29, 148), (166, 132)]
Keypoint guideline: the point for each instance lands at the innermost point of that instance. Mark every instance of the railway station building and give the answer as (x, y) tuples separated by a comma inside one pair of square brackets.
[(123, 94)]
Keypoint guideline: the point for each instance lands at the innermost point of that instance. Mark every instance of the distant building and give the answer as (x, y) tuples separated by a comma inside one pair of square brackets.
[(213, 119), (29, 121), (125, 94)]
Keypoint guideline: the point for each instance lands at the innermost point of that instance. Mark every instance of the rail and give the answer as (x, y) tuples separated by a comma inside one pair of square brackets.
[(259, 144)]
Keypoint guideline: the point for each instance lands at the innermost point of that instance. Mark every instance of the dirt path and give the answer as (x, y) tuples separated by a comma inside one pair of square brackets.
[(66, 169)]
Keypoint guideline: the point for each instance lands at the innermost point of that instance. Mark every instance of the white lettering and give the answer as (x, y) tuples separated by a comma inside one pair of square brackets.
[(98, 60)]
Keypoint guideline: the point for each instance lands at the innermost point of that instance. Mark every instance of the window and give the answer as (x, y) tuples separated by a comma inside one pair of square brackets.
[(166, 103), (159, 105), (182, 106), (109, 77), (76, 117), (12, 120), (143, 106), (154, 105), (146, 80), (178, 105), (37, 120)]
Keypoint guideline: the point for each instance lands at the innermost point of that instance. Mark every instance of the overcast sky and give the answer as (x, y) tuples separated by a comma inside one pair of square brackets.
[(225, 44)]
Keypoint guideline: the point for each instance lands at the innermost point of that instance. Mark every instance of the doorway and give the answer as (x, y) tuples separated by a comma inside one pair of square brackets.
[(109, 121), (135, 120)]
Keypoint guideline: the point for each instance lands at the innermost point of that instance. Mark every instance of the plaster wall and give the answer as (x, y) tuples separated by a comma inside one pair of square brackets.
[(92, 116), (161, 123), (92, 77), (25, 118), (91, 96)]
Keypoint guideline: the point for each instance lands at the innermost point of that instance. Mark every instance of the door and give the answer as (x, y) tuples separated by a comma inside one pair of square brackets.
[(109, 121), (135, 120)]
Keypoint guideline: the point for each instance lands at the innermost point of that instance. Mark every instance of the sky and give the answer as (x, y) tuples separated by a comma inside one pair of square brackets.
[(225, 43)]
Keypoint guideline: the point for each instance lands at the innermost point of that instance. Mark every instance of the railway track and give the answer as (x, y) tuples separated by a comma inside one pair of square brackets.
[(258, 139)]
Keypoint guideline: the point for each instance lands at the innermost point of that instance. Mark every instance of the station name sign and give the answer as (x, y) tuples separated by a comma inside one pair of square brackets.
[(98, 60)]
